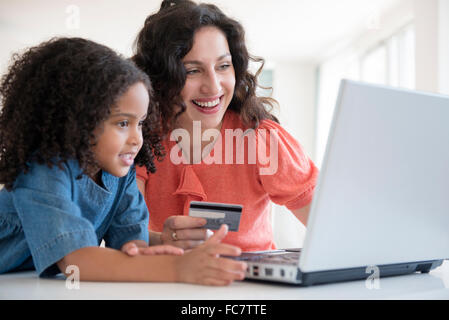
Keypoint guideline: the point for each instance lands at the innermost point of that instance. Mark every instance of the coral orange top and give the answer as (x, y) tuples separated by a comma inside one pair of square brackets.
[(268, 165)]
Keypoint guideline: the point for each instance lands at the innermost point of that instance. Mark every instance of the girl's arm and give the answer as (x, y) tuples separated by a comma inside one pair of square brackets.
[(136, 247), (202, 265), (105, 264)]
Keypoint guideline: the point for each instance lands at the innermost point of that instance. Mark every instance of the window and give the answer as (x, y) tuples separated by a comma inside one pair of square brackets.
[(265, 81), (374, 66), (390, 62)]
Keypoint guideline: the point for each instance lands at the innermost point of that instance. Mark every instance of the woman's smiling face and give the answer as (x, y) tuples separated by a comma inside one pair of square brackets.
[(210, 80)]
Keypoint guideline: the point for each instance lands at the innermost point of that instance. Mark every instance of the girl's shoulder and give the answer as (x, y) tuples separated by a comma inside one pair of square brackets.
[(40, 174)]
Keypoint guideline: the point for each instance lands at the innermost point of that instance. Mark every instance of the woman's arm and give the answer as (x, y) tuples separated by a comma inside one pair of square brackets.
[(155, 237), (302, 214), (141, 187), (188, 229)]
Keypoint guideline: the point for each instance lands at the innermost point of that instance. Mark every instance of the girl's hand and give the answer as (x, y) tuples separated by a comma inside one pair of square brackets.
[(203, 265), (184, 232), (134, 248)]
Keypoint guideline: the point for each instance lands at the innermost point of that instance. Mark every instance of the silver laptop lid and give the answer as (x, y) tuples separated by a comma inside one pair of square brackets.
[(383, 191)]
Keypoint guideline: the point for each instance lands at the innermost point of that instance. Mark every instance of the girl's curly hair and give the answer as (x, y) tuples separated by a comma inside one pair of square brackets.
[(167, 37), (55, 95)]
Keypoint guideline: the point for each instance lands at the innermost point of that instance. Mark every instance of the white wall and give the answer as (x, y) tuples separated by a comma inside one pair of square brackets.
[(426, 26), (341, 60), (294, 88), (432, 45), (443, 42), (26, 23)]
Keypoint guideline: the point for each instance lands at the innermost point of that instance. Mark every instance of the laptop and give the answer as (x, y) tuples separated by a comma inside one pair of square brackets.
[(381, 204)]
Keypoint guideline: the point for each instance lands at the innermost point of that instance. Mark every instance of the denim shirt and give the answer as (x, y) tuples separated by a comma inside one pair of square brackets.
[(50, 213)]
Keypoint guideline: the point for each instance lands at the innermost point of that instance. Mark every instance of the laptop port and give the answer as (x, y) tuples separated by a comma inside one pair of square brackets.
[(424, 268), (255, 271), (268, 272), (282, 273)]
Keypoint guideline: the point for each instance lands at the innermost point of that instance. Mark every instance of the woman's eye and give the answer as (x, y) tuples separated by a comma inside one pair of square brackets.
[(123, 124), (190, 72), (141, 123), (225, 66)]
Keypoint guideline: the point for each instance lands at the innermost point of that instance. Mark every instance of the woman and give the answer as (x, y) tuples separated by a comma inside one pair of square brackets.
[(217, 131)]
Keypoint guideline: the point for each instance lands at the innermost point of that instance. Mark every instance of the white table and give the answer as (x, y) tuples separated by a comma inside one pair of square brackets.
[(26, 285)]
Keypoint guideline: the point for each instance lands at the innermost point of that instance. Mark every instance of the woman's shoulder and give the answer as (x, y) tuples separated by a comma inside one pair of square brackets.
[(233, 120), (270, 131), (267, 124)]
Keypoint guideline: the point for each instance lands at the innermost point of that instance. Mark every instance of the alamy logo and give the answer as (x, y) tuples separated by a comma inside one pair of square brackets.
[(73, 280), (261, 147), (72, 22), (373, 281)]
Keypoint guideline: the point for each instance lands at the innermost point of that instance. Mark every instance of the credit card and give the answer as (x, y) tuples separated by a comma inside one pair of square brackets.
[(217, 214)]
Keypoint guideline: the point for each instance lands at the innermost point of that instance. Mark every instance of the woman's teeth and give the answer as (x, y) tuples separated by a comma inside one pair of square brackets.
[(209, 104)]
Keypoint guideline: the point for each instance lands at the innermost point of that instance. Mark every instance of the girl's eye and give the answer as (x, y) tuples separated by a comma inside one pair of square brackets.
[(141, 123), (123, 124)]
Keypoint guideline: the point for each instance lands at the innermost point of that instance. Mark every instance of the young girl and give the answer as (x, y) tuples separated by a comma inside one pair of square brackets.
[(198, 62), (75, 118)]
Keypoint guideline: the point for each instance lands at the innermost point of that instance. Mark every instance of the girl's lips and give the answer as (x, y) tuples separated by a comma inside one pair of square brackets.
[(127, 159)]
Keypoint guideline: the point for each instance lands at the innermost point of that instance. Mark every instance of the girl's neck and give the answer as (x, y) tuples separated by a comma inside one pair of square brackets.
[(97, 178)]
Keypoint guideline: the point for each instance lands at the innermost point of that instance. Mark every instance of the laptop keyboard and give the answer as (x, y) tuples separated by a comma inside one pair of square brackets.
[(283, 257)]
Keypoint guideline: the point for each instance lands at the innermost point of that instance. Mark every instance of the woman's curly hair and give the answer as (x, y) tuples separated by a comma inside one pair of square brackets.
[(167, 37), (55, 95)]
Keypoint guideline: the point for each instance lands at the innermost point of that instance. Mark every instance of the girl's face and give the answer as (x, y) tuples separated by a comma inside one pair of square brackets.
[(119, 139), (210, 80)]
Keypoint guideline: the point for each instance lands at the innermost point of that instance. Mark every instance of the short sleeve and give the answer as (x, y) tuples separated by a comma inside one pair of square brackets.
[(141, 173), (286, 173), (130, 221), (51, 221)]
